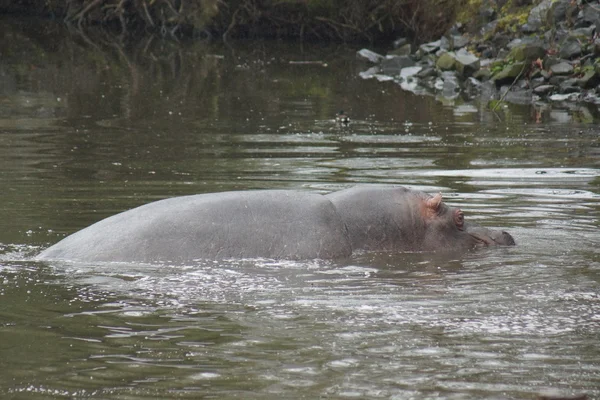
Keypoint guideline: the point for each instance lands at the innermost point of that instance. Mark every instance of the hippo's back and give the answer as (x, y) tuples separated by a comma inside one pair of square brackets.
[(250, 224)]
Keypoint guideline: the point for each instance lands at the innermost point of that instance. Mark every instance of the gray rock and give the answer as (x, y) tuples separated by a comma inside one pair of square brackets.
[(488, 28), (502, 53), (569, 86), (451, 87), (527, 52), (519, 96), (596, 47), (459, 41), (445, 44), (501, 40), (514, 43), (369, 55), (392, 65), (545, 74), (590, 13), (556, 80), (558, 10), (400, 42), (404, 50), (430, 47), (584, 33), (409, 72), (590, 79), (472, 86), (429, 82), (562, 68), (370, 73), (536, 82), (549, 61), (528, 40), (544, 90), (570, 47), (466, 63), (509, 73), (426, 72), (488, 91), (483, 74), (538, 15)]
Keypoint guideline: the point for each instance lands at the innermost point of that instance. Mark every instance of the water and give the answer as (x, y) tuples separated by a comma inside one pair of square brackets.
[(88, 130)]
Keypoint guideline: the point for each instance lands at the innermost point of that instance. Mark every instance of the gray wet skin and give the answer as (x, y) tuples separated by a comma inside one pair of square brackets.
[(280, 224)]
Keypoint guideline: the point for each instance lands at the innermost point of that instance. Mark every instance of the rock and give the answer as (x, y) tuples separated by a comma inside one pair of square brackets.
[(466, 63), (509, 73), (549, 61), (410, 71), (556, 80), (369, 55), (514, 43), (563, 97), (400, 42), (558, 10), (500, 40), (482, 74), (590, 14), (430, 47), (426, 72), (472, 86), (570, 48), (596, 47), (519, 96), (404, 50), (502, 53), (391, 65), (527, 52), (569, 86), (544, 90), (451, 86), (370, 73), (488, 28), (562, 68), (527, 40), (535, 82), (488, 91), (545, 74), (459, 41), (445, 44), (486, 52), (446, 62), (590, 79), (538, 16), (584, 33), (487, 11)]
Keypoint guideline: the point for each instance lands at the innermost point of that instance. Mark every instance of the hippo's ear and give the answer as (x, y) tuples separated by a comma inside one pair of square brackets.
[(433, 203)]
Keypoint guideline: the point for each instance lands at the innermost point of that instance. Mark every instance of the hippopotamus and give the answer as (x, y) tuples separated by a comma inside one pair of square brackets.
[(277, 224)]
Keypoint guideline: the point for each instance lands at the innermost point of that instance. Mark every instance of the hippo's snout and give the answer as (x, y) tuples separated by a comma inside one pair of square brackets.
[(505, 239), (488, 237)]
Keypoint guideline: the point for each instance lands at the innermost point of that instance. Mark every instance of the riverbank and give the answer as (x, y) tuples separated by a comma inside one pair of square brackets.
[(548, 52), (322, 20)]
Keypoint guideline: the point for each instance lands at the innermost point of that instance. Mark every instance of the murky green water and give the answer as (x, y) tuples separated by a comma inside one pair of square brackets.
[(88, 129)]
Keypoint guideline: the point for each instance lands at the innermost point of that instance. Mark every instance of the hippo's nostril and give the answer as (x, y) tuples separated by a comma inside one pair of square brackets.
[(507, 239)]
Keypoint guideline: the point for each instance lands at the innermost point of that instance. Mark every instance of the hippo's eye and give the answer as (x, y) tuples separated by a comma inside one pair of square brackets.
[(459, 219)]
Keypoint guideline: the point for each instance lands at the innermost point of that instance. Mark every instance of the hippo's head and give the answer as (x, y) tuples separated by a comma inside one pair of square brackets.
[(446, 228), (396, 219)]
